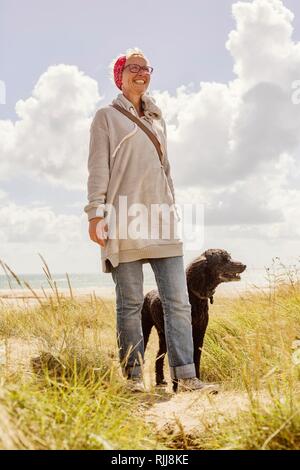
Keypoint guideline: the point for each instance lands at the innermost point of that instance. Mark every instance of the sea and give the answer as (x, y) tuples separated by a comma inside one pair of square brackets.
[(252, 278)]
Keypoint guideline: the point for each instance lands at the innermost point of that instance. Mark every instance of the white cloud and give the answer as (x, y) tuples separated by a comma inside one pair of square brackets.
[(21, 224), (238, 143), (50, 139), (262, 45), (225, 132)]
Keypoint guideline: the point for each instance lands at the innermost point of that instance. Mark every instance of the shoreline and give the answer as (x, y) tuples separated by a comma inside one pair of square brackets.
[(24, 297)]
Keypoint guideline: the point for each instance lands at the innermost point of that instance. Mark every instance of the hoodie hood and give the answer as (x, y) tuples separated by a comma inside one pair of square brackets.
[(151, 110)]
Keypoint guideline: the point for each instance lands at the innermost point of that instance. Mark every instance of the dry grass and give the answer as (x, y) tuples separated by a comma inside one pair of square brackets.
[(61, 385)]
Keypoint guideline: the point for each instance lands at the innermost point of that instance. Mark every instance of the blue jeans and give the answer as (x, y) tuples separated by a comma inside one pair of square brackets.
[(171, 282)]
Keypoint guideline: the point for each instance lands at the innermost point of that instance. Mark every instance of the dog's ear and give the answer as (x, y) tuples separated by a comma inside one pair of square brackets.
[(199, 264), (196, 275), (200, 261)]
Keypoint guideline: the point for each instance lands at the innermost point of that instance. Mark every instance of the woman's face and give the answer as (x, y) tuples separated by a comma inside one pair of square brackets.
[(135, 82)]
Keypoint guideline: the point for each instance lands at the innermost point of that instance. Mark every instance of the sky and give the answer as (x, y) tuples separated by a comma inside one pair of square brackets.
[(223, 75)]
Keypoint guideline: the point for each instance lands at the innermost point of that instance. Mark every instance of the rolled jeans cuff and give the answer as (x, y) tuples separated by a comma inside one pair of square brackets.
[(132, 372), (183, 372)]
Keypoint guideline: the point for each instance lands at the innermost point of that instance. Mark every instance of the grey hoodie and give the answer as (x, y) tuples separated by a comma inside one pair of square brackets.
[(124, 162)]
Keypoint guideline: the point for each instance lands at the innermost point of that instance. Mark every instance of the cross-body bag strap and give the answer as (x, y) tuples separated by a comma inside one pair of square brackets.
[(150, 134)]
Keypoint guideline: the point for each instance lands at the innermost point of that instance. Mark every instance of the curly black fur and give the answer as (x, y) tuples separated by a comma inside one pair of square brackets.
[(203, 275)]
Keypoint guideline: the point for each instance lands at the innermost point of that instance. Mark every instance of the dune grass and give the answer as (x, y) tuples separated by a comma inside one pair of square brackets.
[(252, 347), (61, 386)]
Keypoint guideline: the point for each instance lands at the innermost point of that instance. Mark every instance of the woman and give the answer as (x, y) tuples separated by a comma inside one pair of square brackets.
[(126, 166)]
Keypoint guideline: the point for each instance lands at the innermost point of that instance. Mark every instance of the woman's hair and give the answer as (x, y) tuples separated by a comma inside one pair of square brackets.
[(135, 51)]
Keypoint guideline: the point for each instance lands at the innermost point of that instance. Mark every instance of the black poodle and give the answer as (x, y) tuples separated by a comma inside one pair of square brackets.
[(203, 275)]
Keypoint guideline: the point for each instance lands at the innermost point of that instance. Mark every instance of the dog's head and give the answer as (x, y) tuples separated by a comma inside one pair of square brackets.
[(221, 267), (210, 269)]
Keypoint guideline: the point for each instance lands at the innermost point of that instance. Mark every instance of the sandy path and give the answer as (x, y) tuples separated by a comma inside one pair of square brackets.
[(194, 411), (192, 414)]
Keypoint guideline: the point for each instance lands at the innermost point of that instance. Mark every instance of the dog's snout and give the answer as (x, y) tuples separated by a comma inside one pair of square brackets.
[(240, 267)]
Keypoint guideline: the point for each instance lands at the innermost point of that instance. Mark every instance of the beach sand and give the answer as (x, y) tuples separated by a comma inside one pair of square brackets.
[(26, 298)]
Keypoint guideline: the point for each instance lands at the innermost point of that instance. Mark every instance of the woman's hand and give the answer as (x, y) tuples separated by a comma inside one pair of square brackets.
[(98, 230)]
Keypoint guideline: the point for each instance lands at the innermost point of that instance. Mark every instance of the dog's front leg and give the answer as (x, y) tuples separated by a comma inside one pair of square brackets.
[(159, 364), (199, 329)]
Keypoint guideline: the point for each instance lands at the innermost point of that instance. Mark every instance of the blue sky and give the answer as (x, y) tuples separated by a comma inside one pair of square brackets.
[(185, 42)]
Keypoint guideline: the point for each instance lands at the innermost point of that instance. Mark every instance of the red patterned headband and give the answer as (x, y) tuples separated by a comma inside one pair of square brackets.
[(118, 70)]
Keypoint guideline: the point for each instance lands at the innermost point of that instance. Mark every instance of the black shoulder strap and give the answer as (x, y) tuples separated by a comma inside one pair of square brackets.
[(150, 134)]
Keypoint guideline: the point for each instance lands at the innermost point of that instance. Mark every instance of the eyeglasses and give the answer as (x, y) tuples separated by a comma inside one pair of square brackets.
[(135, 68)]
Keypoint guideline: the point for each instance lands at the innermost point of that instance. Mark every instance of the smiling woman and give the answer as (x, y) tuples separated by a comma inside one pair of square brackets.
[(129, 167), (132, 73)]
